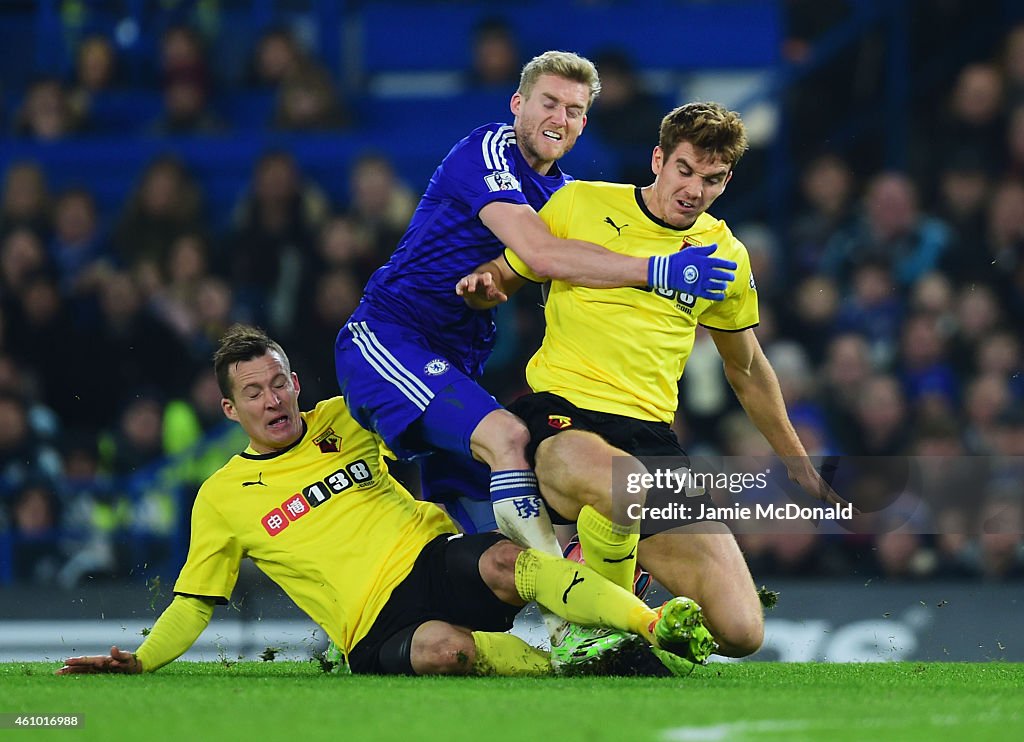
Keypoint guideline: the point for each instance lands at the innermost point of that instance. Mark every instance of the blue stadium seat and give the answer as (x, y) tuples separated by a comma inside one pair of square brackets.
[(19, 44), (125, 112), (246, 110), (659, 34), (436, 122)]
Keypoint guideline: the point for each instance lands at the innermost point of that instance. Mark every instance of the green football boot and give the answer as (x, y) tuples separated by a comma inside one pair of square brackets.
[(676, 666), (680, 629), (334, 660), (620, 654), (580, 648)]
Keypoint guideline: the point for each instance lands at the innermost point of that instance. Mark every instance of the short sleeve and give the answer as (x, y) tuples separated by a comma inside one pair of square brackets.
[(214, 555), (481, 168), (517, 264), (738, 310)]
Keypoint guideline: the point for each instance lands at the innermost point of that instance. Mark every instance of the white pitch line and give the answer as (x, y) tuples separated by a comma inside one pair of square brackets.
[(739, 730), (731, 730)]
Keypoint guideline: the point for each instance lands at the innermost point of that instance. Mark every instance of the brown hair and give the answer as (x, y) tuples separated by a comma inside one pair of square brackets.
[(561, 64), (242, 343), (710, 127)]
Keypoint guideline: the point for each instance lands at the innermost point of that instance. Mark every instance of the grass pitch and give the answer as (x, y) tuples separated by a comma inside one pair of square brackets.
[(253, 701)]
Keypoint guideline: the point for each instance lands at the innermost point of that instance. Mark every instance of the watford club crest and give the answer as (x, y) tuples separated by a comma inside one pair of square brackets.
[(689, 242), (328, 441), (559, 422)]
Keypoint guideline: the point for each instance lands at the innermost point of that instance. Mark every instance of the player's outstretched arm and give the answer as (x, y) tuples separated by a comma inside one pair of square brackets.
[(757, 387), (581, 263), (520, 228), (173, 633), (489, 285)]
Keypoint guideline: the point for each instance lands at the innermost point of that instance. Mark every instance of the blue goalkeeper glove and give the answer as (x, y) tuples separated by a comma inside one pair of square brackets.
[(693, 271)]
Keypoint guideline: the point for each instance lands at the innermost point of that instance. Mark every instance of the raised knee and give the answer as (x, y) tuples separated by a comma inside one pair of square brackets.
[(500, 439), (517, 436), (633, 473), (576, 465), (740, 636)]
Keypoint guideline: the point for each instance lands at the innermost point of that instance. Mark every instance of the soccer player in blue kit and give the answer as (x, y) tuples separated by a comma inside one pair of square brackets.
[(409, 358)]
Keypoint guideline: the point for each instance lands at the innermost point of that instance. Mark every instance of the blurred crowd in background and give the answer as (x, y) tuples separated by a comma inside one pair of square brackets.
[(891, 299)]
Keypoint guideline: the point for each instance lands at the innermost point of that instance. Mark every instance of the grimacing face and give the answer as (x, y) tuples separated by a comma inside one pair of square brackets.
[(266, 402), (687, 181), (550, 120)]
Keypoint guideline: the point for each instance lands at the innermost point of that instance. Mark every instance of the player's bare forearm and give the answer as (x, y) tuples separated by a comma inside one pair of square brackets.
[(586, 264), (757, 388), (551, 258), (761, 397)]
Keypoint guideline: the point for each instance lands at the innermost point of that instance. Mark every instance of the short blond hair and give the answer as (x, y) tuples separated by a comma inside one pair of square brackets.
[(568, 65), (708, 126)]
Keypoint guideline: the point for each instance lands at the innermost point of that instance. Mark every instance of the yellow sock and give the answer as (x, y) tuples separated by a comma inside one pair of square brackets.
[(579, 594), (608, 548), (505, 654)]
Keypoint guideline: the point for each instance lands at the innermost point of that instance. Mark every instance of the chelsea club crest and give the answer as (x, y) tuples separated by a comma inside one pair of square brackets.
[(436, 367)]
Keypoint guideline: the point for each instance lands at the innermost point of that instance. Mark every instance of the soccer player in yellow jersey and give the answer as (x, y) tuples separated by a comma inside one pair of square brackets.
[(388, 577), (605, 378)]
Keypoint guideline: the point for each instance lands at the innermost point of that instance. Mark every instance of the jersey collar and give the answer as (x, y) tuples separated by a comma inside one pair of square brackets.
[(250, 454), (639, 196)]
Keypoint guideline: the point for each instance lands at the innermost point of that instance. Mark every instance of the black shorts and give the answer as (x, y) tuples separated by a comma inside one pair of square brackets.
[(444, 585), (546, 415)]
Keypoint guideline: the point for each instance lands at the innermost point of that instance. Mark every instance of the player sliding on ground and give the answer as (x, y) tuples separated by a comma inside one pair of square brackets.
[(387, 577)]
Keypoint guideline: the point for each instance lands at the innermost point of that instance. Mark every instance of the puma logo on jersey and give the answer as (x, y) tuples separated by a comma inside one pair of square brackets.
[(259, 481), (616, 227)]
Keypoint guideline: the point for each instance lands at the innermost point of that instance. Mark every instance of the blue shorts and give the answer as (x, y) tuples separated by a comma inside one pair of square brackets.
[(462, 485), (398, 387)]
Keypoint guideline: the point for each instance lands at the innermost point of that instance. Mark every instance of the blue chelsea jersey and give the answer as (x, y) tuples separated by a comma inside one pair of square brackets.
[(446, 240)]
